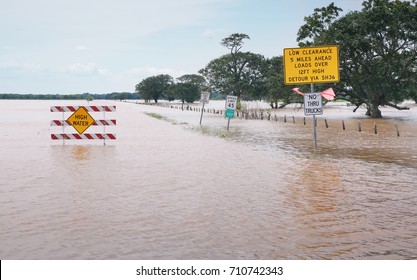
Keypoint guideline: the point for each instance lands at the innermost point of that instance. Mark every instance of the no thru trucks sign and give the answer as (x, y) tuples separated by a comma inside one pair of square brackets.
[(313, 104)]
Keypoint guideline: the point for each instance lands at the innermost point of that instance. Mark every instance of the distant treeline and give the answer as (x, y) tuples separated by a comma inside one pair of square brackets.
[(87, 96)]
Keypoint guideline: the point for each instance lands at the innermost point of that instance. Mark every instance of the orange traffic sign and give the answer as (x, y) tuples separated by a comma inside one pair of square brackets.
[(81, 120), (311, 65)]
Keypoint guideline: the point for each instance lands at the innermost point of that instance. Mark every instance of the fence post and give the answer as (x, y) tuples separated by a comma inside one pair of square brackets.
[(398, 132)]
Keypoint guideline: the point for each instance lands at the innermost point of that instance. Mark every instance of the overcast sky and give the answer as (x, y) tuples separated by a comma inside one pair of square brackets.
[(101, 46)]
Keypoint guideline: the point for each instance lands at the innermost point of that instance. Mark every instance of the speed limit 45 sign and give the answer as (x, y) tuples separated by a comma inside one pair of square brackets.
[(231, 102)]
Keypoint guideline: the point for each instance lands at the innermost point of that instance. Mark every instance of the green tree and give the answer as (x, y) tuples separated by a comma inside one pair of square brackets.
[(89, 98), (186, 92), (378, 50), (155, 87), (194, 79), (237, 73), (317, 25), (276, 89), (189, 88)]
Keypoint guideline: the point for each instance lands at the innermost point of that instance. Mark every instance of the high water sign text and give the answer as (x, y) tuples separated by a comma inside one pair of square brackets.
[(81, 120), (311, 65)]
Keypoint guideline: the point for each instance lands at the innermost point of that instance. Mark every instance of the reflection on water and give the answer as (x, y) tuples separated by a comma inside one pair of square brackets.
[(175, 190), (321, 185), (81, 153)]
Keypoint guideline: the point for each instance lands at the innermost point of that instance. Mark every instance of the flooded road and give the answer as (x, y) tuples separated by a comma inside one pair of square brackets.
[(170, 189)]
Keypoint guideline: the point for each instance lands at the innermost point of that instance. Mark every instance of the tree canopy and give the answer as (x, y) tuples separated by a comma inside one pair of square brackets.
[(155, 87), (189, 87), (238, 73), (276, 90)]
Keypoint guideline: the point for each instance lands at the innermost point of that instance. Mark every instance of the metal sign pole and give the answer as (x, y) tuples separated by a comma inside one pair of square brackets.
[(228, 123), (63, 127), (104, 128), (315, 132), (314, 121), (202, 110)]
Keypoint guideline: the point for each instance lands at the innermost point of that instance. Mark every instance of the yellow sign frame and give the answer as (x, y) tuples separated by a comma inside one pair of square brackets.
[(311, 65), (81, 120)]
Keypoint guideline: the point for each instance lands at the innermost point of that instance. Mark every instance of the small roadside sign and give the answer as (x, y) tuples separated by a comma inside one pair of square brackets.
[(81, 120), (205, 97), (230, 113), (313, 104), (231, 102)]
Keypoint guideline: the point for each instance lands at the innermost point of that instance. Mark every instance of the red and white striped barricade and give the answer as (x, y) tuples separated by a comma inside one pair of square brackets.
[(88, 108), (81, 120)]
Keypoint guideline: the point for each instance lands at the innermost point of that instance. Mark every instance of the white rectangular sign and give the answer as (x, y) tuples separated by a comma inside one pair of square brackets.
[(205, 97), (313, 104), (231, 102)]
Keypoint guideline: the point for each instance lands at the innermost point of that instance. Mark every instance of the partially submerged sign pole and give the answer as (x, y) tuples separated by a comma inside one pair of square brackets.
[(205, 97), (229, 114), (310, 65), (231, 102), (313, 105)]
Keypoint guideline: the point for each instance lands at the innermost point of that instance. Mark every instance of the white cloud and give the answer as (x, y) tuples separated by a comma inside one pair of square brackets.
[(85, 69), (82, 69), (29, 67), (212, 33), (154, 71), (81, 48), (127, 79), (209, 33), (104, 72)]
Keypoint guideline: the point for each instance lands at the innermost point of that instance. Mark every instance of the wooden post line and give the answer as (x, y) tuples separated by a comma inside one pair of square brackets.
[(81, 120)]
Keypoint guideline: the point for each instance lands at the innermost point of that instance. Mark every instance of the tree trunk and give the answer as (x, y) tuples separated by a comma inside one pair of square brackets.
[(283, 105), (273, 104), (373, 110)]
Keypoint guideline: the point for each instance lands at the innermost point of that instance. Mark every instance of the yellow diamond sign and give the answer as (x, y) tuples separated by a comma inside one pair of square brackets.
[(81, 120)]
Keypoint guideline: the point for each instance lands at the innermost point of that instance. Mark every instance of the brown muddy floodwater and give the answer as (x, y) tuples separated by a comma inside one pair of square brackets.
[(170, 189)]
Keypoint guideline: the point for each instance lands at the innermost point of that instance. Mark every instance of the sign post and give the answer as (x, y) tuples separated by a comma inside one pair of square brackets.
[(230, 106), (205, 97), (310, 65)]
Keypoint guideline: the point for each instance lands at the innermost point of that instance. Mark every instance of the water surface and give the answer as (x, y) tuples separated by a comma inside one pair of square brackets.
[(170, 189)]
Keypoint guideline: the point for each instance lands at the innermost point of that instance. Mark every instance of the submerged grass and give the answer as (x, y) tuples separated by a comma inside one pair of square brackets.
[(214, 131), (205, 130), (163, 118), (156, 116)]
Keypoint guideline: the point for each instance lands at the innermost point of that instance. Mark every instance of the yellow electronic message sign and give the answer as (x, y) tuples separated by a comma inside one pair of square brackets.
[(311, 65)]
